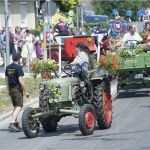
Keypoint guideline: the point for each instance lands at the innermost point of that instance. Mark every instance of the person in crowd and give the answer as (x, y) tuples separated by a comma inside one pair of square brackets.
[(39, 50), (2, 45), (24, 50), (14, 77), (29, 41), (61, 28), (11, 44), (146, 40), (105, 45), (28, 51), (131, 37), (18, 39)]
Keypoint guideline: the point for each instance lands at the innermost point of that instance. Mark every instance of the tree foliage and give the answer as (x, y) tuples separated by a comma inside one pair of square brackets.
[(66, 5), (106, 7)]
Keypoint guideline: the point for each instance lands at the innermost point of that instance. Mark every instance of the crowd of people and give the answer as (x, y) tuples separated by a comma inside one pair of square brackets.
[(29, 45), (21, 41)]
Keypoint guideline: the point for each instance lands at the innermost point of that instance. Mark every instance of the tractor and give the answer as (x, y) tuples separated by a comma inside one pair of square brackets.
[(86, 96)]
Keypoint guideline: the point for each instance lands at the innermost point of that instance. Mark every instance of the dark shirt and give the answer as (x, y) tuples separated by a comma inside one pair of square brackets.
[(62, 29), (13, 72)]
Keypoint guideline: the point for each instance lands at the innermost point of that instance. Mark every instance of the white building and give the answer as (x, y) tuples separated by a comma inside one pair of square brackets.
[(21, 13)]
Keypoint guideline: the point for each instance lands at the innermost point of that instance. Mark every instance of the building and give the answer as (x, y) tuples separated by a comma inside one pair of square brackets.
[(21, 13), (25, 12)]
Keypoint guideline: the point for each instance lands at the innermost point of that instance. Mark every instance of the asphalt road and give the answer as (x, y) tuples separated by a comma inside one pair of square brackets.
[(130, 130)]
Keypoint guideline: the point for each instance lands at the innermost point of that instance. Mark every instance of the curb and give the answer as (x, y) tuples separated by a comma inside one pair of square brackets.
[(8, 114), (2, 74)]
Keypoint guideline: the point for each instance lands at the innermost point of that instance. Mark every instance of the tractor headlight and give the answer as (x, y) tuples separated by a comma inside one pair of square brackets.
[(41, 87), (82, 84)]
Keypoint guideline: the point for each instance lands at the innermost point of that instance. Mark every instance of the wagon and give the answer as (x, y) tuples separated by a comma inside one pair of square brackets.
[(134, 63)]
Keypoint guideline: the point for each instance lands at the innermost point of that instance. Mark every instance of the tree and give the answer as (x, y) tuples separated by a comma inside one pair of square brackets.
[(106, 7), (66, 5)]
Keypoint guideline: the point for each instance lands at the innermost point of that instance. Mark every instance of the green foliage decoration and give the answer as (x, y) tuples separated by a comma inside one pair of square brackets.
[(38, 66), (105, 7), (66, 5)]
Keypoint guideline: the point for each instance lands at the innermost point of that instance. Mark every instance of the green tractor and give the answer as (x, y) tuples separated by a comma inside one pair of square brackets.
[(85, 96)]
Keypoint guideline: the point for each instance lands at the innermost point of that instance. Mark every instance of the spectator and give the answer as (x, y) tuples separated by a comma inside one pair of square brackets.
[(27, 48), (11, 44), (14, 74), (61, 28), (38, 48), (18, 40), (2, 46), (131, 37)]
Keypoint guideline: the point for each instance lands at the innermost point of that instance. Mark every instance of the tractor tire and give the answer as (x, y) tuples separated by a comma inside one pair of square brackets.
[(30, 126), (49, 124), (87, 119), (102, 96)]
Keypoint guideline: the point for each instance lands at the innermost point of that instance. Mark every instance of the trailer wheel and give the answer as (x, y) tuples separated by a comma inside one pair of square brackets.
[(30, 125), (104, 105), (87, 119), (49, 124)]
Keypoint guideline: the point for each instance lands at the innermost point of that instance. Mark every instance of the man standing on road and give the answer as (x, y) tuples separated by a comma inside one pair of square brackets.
[(14, 74)]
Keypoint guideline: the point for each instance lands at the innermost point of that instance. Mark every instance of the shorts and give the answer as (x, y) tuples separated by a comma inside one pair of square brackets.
[(16, 95)]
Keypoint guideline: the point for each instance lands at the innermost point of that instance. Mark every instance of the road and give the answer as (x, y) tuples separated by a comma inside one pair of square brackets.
[(130, 130)]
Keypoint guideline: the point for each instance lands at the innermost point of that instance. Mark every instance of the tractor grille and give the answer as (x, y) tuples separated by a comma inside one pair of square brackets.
[(44, 100)]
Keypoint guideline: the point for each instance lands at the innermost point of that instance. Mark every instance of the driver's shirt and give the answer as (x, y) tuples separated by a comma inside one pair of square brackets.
[(134, 38), (81, 58)]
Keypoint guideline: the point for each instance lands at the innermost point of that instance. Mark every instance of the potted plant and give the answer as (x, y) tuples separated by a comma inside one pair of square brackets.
[(110, 62), (43, 67)]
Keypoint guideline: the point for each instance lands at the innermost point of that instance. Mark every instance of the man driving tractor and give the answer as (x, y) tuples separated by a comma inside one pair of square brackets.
[(83, 59)]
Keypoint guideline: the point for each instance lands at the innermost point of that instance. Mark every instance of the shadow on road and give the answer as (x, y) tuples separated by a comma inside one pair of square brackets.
[(105, 137), (62, 129), (146, 106), (133, 93), (135, 90), (65, 129), (4, 130)]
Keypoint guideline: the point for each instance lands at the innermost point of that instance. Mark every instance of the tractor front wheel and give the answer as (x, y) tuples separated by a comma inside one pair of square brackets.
[(87, 119), (30, 125)]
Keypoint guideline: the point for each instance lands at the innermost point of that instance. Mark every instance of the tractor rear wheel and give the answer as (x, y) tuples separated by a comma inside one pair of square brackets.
[(49, 124), (103, 100), (87, 119)]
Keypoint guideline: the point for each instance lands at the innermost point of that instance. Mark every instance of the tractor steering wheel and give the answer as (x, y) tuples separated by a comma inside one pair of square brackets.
[(71, 69)]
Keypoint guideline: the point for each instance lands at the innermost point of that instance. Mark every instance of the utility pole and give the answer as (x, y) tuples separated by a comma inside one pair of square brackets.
[(37, 11), (7, 58), (82, 17), (47, 27), (77, 15)]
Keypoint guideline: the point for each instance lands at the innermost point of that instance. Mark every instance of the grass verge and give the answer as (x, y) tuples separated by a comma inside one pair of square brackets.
[(31, 86)]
